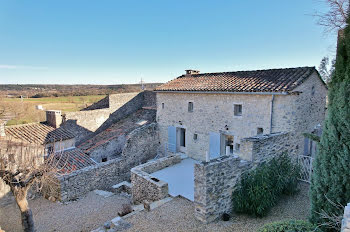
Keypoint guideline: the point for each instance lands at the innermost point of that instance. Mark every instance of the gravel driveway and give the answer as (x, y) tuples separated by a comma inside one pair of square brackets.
[(85, 214)]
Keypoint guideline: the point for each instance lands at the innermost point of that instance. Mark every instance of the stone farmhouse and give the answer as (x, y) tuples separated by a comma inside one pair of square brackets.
[(213, 112), (215, 126)]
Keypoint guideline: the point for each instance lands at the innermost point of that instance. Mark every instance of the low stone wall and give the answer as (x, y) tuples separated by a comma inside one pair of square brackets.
[(147, 187), (100, 176), (141, 146), (345, 225), (261, 148), (215, 181)]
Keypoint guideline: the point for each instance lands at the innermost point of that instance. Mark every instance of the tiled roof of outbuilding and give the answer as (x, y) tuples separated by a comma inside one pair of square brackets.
[(269, 80), (71, 160), (37, 133)]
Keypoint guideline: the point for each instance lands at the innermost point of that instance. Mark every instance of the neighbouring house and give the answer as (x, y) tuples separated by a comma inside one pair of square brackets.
[(42, 140), (213, 112)]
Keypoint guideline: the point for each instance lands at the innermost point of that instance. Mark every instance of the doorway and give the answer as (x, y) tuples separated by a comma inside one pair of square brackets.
[(181, 139)]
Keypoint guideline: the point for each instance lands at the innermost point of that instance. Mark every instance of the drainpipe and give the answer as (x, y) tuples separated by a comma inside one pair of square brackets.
[(271, 112)]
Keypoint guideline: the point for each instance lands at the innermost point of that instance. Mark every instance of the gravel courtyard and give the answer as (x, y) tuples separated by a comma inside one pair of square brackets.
[(177, 215), (92, 211), (85, 214)]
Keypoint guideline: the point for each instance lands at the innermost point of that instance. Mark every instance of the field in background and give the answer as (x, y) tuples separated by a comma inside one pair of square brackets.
[(24, 110)]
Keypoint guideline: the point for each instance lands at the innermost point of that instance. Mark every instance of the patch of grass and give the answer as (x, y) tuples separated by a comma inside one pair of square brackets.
[(24, 111)]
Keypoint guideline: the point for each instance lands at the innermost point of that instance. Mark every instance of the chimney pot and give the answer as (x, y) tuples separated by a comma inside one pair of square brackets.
[(191, 71), (54, 118)]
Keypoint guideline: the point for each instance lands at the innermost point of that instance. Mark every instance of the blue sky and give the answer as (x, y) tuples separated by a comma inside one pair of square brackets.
[(111, 42)]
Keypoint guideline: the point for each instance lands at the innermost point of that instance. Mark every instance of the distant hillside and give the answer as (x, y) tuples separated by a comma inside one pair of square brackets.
[(38, 91)]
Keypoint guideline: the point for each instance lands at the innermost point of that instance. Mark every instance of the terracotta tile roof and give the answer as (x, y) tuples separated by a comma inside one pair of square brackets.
[(71, 160), (37, 133), (269, 80)]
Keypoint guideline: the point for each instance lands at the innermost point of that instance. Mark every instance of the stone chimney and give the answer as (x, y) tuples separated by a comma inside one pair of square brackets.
[(191, 71), (2, 128), (54, 118)]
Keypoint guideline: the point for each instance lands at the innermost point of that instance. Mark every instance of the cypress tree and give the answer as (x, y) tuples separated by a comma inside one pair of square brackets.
[(331, 177)]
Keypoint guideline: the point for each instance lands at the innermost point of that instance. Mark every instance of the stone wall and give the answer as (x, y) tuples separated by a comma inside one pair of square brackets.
[(101, 104), (300, 112), (131, 106), (147, 187), (84, 124), (214, 183), (216, 180), (99, 176), (345, 225), (261, 148), (141, 146)]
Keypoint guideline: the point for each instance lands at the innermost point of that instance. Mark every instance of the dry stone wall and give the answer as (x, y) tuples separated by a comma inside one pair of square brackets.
[(84, 124), (141, 145), (147, 187), (216, 180)]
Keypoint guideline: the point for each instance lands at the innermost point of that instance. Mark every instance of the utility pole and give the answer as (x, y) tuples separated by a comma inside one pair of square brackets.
[(142, 84)]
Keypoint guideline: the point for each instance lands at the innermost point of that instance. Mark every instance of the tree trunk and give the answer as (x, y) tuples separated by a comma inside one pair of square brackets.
[(26, 212)]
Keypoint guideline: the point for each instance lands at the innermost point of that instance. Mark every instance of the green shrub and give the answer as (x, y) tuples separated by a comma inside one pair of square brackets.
[(289, 226), (260, 189)]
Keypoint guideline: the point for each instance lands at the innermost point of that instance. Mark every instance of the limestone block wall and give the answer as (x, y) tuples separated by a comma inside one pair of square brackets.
[(211, 113), (140, 146), (261, 148), (129, 107), (345, 226), (99, 176), (147, 187), (214, 183), (118, 100), (216, 180), (86, 123), (301, 112)]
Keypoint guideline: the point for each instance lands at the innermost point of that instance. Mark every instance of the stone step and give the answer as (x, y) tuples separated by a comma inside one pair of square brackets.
[(103, 193)]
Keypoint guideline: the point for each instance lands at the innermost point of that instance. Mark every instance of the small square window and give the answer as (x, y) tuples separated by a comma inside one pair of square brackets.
[(260, 131), (162, 105), (104, 159), (237, 146), (237, 110), (195, 136), (190, 107)]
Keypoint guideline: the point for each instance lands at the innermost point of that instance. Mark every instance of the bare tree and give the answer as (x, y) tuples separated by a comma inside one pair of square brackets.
[(326, 69), (335, 18), (22, 165)]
